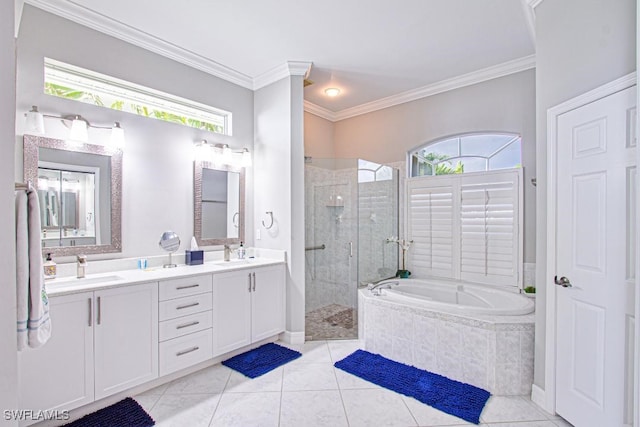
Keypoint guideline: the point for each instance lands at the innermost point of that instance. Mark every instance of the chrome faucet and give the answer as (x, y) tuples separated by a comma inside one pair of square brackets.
[(81, 266), (375, 288), (227, 253)]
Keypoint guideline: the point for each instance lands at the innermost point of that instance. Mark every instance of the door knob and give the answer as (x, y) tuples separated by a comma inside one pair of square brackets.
[(563, 281)]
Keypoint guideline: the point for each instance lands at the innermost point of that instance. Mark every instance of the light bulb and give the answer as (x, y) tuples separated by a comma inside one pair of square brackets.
[(35, 121), (117, 136), (246, 158), (79, 130), (332, 91), (227, 156)]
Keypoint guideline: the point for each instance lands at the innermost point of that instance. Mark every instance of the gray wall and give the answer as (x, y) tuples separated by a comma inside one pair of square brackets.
[(158, 157), (8, 348), (502, 104), (580, 45)]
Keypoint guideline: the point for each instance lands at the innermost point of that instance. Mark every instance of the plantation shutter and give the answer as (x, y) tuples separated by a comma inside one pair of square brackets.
[(466, 227), (489, 228), (431, 226)]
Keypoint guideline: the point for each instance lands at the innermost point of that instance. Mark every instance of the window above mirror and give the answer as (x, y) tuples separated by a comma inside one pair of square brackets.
[(79, 84)]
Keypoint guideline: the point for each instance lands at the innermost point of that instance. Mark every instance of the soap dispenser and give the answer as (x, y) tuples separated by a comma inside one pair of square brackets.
[(50, 268), (241, 251)]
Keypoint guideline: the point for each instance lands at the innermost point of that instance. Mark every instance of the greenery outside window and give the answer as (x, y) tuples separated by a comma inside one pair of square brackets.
[(467, 153), (79, 84)]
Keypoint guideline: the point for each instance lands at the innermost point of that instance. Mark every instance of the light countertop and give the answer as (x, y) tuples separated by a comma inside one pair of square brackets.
[(92, 282)]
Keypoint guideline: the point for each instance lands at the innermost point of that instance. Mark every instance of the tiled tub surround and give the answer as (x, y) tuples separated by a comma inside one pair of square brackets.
[(491, 352)]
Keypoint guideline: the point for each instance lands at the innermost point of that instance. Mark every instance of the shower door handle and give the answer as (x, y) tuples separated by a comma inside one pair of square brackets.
[(350, 249)]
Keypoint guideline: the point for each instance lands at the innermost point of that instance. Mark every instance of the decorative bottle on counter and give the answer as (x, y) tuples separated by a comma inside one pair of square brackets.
[(50, 268), (241, 251)]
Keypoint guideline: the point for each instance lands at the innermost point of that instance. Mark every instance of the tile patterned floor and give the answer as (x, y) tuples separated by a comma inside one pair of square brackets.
[(333, 321), (309, 391)]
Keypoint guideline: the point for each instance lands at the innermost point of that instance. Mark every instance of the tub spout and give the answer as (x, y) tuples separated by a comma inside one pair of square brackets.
[(375, 288)]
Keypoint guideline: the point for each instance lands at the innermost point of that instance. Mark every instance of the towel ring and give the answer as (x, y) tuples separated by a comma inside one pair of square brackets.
[(270, 225), (235, 217)]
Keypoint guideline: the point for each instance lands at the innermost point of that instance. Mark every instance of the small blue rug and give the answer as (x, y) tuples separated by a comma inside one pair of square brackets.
[(126, 413), (462, 400), (261, 360)]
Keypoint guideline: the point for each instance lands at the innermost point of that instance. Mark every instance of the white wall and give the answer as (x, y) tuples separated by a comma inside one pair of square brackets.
[(8, 348), (279, 183), (579, 46), (158, 157), (502, 104)]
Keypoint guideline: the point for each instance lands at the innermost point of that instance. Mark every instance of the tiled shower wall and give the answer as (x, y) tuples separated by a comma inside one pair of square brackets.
[(330, 273), (369, 215)]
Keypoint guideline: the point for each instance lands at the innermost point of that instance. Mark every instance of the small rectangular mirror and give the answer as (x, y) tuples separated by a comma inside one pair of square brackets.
[(218, 204)]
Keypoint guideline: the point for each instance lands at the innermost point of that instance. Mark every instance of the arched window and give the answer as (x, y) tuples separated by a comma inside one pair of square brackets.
[(467, 153)]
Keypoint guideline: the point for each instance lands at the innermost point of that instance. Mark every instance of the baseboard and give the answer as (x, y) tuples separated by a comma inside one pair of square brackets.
[(539, 397), (292, 337)]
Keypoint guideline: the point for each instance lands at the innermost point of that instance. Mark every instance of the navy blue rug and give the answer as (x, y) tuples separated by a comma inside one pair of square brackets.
[(453, 397), (261, 360), (126, 413)]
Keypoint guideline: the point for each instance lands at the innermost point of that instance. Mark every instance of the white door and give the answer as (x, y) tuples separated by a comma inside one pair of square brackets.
[(126, 337), (231, 311), (59, 375), (267, 302), (595, 152)]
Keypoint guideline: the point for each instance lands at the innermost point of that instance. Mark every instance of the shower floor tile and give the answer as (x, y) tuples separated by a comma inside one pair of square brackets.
[(332, 321)]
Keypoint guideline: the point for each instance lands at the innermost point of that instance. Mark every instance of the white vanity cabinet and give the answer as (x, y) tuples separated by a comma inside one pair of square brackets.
[(59, 375), (125, 337), (248, 305), (101, 343)]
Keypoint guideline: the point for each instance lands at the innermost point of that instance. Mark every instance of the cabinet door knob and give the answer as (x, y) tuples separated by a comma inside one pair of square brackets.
[(99, 312), (254, 282), (249, 282), (90, 311)]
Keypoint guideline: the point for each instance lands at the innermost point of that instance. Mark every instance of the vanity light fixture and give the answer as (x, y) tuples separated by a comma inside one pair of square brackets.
[(79, 126), (332, 92), (222, 154)]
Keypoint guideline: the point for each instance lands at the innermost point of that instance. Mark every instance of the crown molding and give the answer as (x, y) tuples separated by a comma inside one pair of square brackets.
[(530, 17), (109, 26), (18, 6), (479, 76), (533, 3), (319, 111), (289, 68)]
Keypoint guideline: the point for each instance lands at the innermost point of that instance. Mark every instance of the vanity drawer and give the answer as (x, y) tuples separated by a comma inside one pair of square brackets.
[(176, 288), (185, 325), (180, 307), (185, 351)]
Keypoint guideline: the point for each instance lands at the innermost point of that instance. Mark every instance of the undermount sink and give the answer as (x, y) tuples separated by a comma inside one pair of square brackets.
[(85, 280)]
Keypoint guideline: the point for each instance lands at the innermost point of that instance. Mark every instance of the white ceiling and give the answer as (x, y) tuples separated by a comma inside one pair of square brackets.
[(371, 49)]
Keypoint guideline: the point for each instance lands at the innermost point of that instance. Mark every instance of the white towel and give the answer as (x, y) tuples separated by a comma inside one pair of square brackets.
[(33, 323)]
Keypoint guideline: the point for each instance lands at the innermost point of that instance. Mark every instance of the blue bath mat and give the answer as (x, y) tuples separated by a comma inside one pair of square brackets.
[(462, 400), (261, 360), (126, 413)]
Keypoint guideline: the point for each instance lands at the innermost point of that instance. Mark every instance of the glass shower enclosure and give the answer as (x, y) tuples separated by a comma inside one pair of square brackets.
[(351, 209)]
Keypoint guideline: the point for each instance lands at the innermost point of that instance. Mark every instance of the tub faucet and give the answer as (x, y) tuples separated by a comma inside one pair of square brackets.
[(81, 266), (375, 288), (227, 253)]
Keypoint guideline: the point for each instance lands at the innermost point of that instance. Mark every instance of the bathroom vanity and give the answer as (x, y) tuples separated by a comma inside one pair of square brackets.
[(115, 331)]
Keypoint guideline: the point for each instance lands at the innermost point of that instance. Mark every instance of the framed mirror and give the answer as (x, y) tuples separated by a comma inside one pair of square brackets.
[(80, 193), (218, 204)]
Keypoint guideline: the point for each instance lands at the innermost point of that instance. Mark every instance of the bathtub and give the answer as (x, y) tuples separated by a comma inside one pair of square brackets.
[(457, 298), (470, 333)]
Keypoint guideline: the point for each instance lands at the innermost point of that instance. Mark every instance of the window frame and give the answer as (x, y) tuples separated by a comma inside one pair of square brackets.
[(88, 86)]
